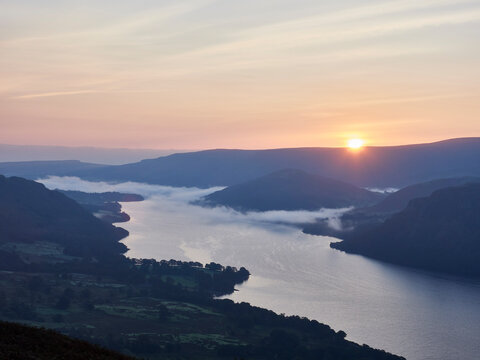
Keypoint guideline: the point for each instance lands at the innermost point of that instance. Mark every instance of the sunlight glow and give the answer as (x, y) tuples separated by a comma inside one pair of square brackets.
[(355, 143)]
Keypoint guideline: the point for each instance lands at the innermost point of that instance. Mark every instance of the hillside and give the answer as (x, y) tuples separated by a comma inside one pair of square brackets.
[(164, 311), (29, 212), (439, 233), (291, 190), (378, 213), (399, 200)]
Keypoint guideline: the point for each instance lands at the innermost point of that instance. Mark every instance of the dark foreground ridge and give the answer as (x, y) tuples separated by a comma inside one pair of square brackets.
[(153, 309), (291, 189), (19, 342), (440, 233)]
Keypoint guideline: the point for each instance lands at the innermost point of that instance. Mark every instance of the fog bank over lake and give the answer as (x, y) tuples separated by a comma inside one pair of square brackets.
[(419, 315)]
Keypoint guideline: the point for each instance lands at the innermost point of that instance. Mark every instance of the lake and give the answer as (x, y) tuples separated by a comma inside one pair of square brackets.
[(419, 315)]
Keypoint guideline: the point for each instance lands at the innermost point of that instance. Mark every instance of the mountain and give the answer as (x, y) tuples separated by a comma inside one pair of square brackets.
[(381, 167), (37, 169), (29, 213), (30, 343), (291, 189), (399, 200), (440, 233)]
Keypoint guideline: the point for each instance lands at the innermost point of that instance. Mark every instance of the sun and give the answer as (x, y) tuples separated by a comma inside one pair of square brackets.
[(355, 143)]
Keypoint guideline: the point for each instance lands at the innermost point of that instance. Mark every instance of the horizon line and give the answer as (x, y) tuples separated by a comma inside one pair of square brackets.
[(240, 149)]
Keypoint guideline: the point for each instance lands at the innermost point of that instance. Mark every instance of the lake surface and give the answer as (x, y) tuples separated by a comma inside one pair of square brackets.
[(419, 315)]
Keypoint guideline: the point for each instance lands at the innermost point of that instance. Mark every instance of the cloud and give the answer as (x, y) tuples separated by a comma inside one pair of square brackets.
[(128, 26), (50, 94), (316, 32)]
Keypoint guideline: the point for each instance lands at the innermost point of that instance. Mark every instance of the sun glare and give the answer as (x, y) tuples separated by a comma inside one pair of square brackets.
[(355, 143)]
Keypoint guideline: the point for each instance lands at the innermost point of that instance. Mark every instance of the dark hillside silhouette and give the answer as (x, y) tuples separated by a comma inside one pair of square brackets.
[(30, 212), (399, 200), (440, 233)]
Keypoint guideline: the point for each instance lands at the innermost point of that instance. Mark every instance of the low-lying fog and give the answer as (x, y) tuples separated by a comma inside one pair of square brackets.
[(415, 314)]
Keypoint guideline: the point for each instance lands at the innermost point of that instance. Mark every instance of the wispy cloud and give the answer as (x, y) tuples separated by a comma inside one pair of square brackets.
[(57, 93), (378, 9), (399, 100), (131, 24), (237, 64), (283, 36)]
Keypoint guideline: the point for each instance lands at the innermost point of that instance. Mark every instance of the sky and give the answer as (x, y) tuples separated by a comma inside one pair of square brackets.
[(200, 74)]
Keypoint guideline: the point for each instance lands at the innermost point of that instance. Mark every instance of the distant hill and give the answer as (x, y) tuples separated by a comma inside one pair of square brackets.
[(389, 166), (111, 156), (30, 212), (399, 200), (291, 189), (36, 169), (440, 233), (29, 343), (376, 167)]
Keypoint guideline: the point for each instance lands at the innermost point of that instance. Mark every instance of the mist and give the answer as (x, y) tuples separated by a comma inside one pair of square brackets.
[(387, 190), (179, 200)]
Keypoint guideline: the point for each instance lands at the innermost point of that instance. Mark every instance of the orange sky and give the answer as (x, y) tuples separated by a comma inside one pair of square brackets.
[(209, 73)]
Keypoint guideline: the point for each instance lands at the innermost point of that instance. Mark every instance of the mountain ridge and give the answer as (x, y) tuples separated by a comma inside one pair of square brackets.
[(380, 167)]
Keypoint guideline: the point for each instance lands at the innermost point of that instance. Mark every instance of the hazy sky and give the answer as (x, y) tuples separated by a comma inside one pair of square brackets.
[(238, 74)]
